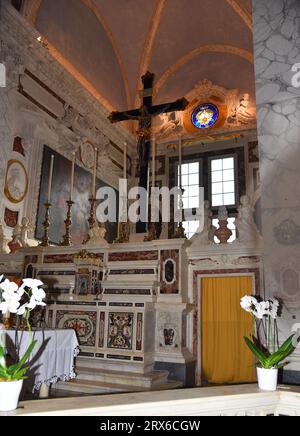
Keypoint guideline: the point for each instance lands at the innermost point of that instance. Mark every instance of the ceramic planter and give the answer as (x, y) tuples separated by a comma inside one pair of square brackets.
[(9, 395), (267, 378)]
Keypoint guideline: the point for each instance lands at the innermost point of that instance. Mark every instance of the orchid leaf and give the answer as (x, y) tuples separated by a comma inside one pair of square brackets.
[(27, 353), (256, 351)]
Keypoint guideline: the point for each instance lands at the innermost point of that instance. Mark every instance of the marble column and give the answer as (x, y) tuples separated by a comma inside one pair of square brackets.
[(277, 51)]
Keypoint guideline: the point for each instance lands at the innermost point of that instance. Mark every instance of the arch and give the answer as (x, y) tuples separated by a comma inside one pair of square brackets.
[(212, 48), (30, 10), (91, 5), (242, 12), (149, 42)]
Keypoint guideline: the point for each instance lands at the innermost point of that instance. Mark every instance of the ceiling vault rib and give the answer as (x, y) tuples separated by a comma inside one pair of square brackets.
[(242, 12), (30, 10), (212, 48), (91, 5), (149, 43), (78, 76)]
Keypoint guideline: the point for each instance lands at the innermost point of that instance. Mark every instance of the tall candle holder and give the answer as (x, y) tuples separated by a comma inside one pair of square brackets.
[(91, 220), (123, 235), (46, 224), (151, 235), (67, 240), (179, 232)]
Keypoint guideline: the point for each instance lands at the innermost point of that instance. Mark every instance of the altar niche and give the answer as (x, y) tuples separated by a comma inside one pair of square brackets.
[(128, 305)]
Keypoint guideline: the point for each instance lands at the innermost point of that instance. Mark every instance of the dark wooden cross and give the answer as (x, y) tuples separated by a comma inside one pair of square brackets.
[(144, 116)]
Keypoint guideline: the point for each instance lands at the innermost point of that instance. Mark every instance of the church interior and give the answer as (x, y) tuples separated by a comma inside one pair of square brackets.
[(102, 104)]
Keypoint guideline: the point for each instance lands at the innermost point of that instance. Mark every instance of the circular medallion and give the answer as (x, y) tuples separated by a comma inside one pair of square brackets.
[(205, 115), (16, 181), (87, 155)]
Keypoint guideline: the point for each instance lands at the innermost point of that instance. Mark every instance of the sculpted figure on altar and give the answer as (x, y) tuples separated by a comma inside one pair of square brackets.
[(205, 235), (97, 235), (15, 244), (247, 231)]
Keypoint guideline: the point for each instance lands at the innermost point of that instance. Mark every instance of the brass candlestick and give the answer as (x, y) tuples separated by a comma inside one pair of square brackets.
[(46, 224), (151, 236), (67, 240), (122, 233), (91, 219), (179, 232)]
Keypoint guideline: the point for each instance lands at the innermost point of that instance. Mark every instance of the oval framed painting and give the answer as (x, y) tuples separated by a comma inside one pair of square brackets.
[(205, 115), (87, 155), (16, 181)]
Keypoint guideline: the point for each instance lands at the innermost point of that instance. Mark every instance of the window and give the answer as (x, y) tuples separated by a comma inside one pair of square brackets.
[(190, 179), (190, 227), (223, 188), (218, 175)]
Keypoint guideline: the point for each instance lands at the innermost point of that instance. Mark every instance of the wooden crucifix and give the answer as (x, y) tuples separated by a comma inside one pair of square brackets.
[(144, 116)]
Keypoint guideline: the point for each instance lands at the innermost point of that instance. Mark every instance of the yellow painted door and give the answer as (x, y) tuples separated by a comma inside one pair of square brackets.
[(225, 356)]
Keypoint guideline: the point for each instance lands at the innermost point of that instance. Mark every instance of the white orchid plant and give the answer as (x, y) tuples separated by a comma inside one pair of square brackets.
[(20, 300), (266, 347)]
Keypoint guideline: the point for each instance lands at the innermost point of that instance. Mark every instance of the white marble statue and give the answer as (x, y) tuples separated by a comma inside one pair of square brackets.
[(205, 234), (97, 235), (24, 229), (246, 228)]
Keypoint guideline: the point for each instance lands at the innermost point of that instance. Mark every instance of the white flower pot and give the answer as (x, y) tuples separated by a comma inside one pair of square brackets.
[(267, 379), (9, 395)]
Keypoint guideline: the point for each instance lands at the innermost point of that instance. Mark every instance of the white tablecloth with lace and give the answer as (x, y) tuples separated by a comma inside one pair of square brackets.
[(52, 357)]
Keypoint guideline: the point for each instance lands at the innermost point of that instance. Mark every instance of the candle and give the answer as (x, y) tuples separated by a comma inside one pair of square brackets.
[(72, 177), (125, 161), (180, 160), (50, 178), (94, 174), (153, 162)]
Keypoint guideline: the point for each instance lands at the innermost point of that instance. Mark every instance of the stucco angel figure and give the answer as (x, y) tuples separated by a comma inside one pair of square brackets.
[(15, 244), (247, 231), (97, 235), (25, 227), (205, 235)]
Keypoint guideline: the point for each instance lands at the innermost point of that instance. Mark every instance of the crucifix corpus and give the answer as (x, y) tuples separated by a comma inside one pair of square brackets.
[(144, 116)]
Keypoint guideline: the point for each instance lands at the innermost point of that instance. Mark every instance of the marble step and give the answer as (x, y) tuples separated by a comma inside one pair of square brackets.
[(148, 380), (88, 387)]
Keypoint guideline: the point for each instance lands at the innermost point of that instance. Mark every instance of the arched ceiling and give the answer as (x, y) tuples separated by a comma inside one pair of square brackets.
[(111, 43)]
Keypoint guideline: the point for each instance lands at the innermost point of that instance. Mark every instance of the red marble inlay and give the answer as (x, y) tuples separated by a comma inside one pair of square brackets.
[(133, 255), (58, 258), (139, 332), (165, 288)]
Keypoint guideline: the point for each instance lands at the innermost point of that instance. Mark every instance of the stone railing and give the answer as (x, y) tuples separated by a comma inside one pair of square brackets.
[(239, 400)]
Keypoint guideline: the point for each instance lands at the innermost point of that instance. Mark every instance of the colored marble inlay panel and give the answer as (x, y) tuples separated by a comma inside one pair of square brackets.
[(172, 288), (139, 331), (120, 329), (101, 329), (84, 323), (128, 291), (133, 255), (58, 258), (131, 271)]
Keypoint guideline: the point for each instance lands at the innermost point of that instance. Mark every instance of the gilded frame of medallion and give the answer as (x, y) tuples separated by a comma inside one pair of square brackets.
[(83, 150), (7, 191)]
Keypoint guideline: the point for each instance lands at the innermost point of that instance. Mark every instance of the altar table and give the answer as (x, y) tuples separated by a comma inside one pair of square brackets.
[(52, 358)]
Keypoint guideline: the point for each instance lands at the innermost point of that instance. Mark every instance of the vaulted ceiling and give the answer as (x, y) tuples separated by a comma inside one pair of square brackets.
[(111, 43)]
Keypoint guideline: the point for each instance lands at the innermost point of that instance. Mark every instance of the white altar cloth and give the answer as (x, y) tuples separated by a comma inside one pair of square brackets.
[(52, 357)]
